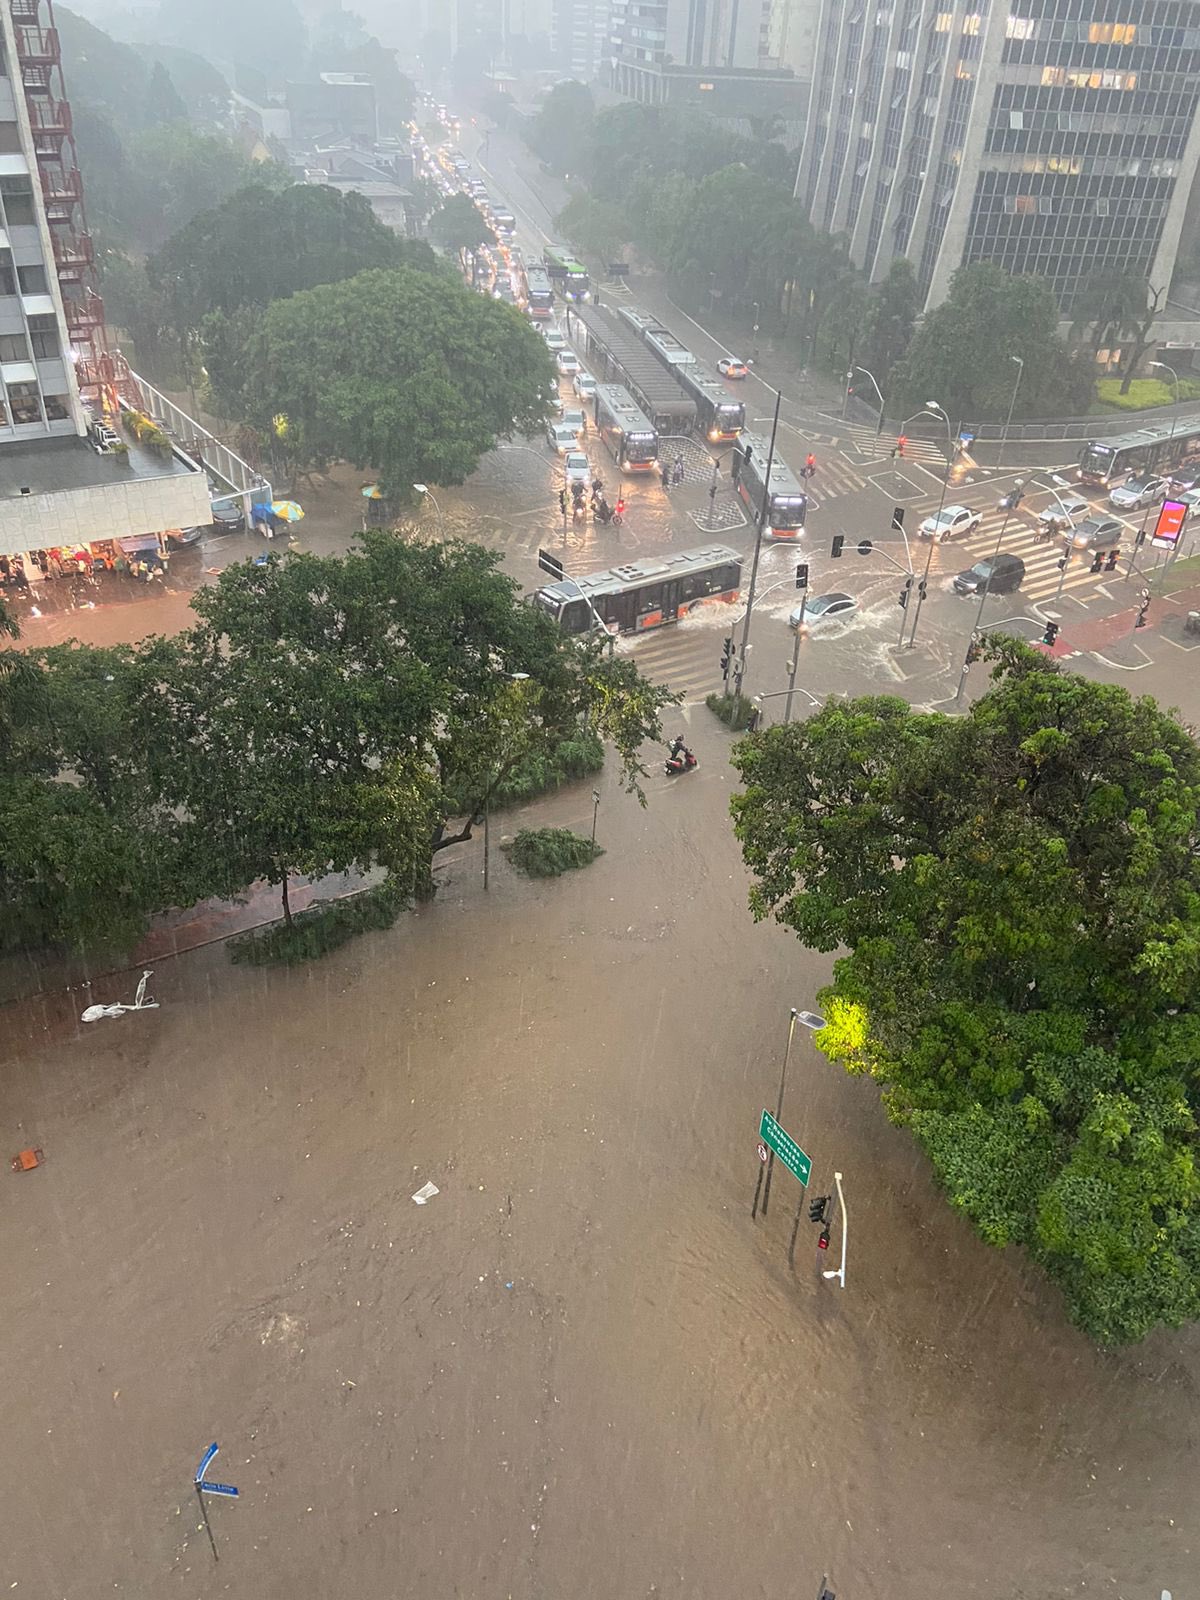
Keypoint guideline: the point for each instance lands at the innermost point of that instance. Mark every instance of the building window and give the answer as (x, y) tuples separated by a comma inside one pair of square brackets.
[(1021, 28), (45, 343), (23, 403), (1111, 33), (16, 201), (57, 408), (10, 143), (943, 21), (8, 280), (12, 347), (973, 23), (32, 279)]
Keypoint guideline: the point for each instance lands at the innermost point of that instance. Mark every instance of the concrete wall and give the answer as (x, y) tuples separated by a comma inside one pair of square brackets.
[(106, 511)]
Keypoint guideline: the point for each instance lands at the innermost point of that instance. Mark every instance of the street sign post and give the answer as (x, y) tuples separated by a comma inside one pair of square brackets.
[(777, 1138), (203, 1487)]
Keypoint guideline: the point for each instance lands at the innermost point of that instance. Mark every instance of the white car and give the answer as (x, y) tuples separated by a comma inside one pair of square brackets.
[(577, 467), (1062, 514), (733, 367), (554, 339), (568, 363), (561, 437), (574, 418), (584, 384), (1138, 491), (824, 611), (951, 522)]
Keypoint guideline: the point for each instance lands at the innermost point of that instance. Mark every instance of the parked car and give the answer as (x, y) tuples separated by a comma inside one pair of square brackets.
[(1005, 572), (733, 367), (584, 384), (184, 536), (951, 522), (823, 610), (229, 518), (562, 438), (577, 467), (1137, 492), (1062, 514), (554, 339), (1097, 532), (568, 363)]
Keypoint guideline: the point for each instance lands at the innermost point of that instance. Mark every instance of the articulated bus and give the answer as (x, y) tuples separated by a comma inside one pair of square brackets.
[(719, 416), (628, 433), (570, 274), (643, 594), (1165, 449), (789, 503)]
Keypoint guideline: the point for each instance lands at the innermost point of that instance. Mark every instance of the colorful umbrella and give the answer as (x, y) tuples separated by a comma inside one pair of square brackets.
[(372, 491), (287, 510)]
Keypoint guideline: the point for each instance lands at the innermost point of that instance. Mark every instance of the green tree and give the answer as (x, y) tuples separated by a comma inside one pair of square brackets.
[(961, 354), (891, 316), (399, 371), (1019, 893), (1118, 310), (598, 228), (561, 132), (164, 103), (459, 226)]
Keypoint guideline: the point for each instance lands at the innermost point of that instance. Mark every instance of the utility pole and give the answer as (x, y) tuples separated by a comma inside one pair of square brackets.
[(763, 513), (934, 409)]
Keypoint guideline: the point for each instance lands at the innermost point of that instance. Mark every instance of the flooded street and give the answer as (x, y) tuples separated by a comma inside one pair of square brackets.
[(580, 1369)]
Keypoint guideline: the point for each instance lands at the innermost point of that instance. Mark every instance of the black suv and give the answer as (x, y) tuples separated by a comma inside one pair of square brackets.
[(1006, 573)]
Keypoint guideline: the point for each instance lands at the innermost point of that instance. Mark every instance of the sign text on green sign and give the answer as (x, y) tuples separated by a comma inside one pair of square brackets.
[(776, 1137)]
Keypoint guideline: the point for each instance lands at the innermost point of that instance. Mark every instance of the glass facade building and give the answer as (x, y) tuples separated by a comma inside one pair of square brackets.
[(1056, 137)]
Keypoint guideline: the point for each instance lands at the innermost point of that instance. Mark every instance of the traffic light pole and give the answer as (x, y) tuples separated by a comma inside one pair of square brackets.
[(787, 1056), (924, 583), (840, 1272), (795, 666), (763, 513)]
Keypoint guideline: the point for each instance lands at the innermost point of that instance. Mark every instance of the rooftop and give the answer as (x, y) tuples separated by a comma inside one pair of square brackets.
[(50, 466)]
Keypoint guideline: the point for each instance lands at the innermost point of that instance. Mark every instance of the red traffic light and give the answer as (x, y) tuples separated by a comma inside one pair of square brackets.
[(823, 1241)]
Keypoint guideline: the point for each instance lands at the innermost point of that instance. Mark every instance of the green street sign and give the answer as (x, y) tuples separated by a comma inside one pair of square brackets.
[(776, 1137)]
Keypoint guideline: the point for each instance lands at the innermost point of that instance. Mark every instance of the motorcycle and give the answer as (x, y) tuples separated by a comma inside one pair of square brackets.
[(679, 760), (1012, 499)]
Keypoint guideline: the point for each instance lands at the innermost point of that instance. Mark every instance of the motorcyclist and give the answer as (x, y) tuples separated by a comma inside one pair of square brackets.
[(620, 506), (679, 751)]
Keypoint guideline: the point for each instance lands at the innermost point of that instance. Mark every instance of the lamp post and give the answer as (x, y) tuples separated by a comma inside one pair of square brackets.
[(1012, 402), (1163, 367), (810, 1019), (932, 407), (840, 1272), (878, 391), (424, 489), (763, 515)]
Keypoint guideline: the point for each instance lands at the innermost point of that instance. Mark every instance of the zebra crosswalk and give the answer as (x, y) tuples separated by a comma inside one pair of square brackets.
[(873, 446), (1044, 578), (687, 655)]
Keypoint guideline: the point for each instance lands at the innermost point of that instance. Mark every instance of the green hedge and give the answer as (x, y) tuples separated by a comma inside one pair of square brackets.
[(577, 757), (322, 928), (549, 852), (733, 710)]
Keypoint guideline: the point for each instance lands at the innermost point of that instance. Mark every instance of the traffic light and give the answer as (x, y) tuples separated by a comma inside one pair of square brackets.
[(835, 553), (823, 1238), (1051, 633), (898, 518), (726, 654), (802, 575), (923, 588), (1098, 561), (1110, 561), (1062, 561), (817, 1207), (908, 583)]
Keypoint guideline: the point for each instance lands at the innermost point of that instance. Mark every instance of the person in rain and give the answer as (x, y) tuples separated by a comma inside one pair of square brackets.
[(562, 503), (619, 512), (677, 470), (666, 477)]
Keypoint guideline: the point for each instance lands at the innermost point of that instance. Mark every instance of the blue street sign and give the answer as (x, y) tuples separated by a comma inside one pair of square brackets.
[(226, 1489)]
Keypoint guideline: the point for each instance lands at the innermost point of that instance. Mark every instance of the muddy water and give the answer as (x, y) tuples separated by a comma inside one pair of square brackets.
[(580, 1369)]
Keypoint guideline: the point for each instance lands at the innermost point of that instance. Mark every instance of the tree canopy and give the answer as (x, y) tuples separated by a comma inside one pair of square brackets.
[(962, 353), (458, 225), (323, 713), (562, 130), (1019, 892), (400, 371)]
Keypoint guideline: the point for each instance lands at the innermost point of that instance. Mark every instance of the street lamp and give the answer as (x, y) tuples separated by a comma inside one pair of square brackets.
[(937, 411), (840, 1272), (424, 489), (1163, 367), (807, 1019), (1012, 402)]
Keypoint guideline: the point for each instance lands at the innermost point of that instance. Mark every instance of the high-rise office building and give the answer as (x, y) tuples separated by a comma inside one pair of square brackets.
[(715, 54), (1056, 137), (579, 36)]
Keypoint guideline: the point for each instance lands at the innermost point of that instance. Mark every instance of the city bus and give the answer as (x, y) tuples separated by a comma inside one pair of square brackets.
[(628, 433), (538, 293), (570, 274), (643, 594), (719, 416), (1164, 449), (789, 503), (503, 221)]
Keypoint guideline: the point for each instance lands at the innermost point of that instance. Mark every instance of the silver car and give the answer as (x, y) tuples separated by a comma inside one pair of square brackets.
[(1137, 492)]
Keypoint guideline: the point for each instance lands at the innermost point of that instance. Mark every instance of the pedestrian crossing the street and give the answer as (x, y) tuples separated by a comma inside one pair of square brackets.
[(1042, 571), (875, 446)]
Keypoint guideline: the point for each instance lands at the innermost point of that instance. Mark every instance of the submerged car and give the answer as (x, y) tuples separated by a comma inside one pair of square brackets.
[(562, 438), (951, 522), (822, 611), (999, 574), (577, 467)]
